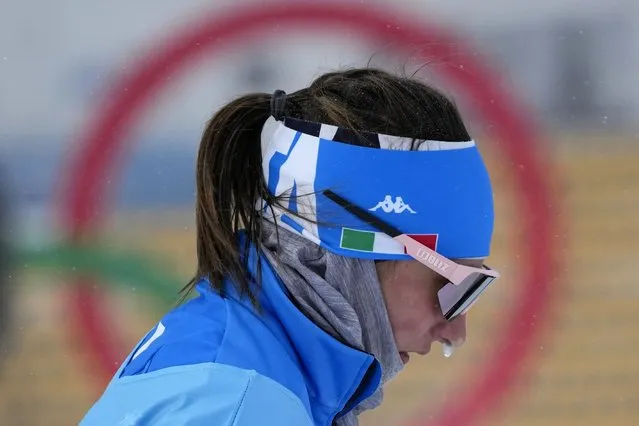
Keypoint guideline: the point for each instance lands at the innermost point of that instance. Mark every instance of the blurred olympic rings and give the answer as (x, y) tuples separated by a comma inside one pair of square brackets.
[(129, 270)]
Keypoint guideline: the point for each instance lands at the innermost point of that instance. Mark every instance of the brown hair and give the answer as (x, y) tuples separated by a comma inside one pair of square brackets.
[(230, 179)]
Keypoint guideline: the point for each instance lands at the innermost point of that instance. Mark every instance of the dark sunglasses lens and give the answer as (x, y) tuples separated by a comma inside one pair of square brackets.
[(456, 299)]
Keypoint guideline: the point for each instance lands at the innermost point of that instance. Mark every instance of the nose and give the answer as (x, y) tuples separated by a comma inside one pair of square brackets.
[(454, 331)]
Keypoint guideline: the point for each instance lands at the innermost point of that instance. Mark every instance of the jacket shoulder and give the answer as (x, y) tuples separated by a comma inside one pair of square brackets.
[(197, 395), (190, 334)]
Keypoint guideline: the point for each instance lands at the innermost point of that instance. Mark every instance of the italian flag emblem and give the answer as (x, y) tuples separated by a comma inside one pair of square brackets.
[(378, 242)]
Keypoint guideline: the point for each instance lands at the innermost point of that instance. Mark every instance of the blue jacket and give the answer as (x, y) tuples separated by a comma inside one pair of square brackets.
[(216, 361)]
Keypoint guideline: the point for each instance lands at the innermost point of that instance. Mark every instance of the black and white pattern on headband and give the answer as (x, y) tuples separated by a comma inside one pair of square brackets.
[(369, 139)]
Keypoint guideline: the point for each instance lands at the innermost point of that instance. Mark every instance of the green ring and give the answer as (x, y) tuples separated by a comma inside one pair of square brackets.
[(117, 267)]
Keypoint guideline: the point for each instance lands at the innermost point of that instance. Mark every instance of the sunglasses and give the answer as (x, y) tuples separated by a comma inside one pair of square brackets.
[(465, 283)]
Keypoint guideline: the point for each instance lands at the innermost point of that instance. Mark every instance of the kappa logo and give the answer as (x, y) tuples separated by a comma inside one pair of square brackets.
[(390, 206)]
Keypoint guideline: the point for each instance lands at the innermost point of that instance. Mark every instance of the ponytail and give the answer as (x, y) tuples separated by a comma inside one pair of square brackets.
[(230, 181)]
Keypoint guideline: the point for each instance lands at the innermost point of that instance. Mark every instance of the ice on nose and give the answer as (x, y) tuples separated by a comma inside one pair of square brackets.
[(449, 347)]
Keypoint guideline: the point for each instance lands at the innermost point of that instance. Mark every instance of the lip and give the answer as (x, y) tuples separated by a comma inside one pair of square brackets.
[(426, 350)]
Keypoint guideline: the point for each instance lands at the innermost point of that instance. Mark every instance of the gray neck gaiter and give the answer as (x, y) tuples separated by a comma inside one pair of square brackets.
[(339, 294)]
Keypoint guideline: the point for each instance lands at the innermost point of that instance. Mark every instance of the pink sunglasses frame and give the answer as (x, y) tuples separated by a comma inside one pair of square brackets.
[(455, 273)]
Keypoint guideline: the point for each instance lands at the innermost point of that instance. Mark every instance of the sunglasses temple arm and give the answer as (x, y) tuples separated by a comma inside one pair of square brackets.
[(362, 214), (433, 260)]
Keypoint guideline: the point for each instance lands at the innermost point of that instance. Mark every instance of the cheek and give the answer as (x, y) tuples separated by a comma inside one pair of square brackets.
[(418, 310), (412, 304)]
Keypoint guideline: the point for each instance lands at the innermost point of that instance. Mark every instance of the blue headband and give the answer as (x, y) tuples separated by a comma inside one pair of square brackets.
[(437, 192)]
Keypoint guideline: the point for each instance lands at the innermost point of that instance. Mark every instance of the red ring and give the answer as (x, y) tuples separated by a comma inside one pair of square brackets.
[(105, 138)]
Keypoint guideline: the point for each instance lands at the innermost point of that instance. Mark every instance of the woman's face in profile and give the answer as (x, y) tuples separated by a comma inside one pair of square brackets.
[(410, 291)]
